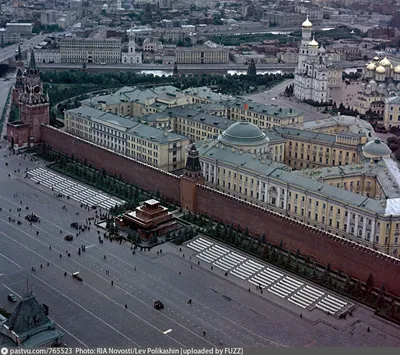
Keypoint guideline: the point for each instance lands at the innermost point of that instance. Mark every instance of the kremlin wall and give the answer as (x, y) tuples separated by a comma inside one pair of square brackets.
[(354, 260)]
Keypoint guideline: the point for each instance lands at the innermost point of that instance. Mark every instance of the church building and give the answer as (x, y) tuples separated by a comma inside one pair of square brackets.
[(311, 79), (131, 57)]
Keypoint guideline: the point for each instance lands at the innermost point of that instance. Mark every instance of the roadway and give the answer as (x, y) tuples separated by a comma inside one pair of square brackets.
[(185, 68), (10, 51), (93, 313)]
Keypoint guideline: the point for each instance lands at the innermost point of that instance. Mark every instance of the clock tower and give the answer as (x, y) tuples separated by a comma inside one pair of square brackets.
[(33, 109), (33, 103)]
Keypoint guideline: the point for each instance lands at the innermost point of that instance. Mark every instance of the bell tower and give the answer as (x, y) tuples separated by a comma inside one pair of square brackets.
[(191, 177), (33, 103)]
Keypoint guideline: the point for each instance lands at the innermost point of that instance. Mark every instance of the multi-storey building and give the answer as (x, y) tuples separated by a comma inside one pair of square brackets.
[(7, 37), (311, 77), (263, 116), (46, 55), (305, 149), (132, 101), (153, 146), (90, 50), (391, 117), (341, 200), (19, 27), (202, 55)]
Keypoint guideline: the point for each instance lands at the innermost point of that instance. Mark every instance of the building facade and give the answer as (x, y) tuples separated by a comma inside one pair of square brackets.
[(131, 57), (124, 136), (311, 77), (90, 50), (345, 202), (201, 55), (46, 55)]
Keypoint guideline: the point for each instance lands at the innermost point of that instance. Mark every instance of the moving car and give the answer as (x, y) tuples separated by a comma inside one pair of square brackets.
[(12, 298)]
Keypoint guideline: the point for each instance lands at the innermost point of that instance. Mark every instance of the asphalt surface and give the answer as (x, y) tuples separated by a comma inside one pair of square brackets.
[(10, 51), (92, 313)]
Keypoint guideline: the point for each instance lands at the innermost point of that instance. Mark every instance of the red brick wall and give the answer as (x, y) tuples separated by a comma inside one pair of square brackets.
[(354, 260), (134, 172)]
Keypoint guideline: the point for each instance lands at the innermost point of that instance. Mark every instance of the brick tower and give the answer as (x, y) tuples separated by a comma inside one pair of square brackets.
[(33, 110), (191, 177)]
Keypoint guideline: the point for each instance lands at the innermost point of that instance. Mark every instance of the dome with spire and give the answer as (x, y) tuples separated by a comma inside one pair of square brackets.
[(313, 43), (385, 62), (371, 66), (306, 23), (380, 69)]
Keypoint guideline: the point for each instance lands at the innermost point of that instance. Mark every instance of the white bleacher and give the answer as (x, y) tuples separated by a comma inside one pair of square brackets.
[(72, 189), (226, 263), (265, 277)]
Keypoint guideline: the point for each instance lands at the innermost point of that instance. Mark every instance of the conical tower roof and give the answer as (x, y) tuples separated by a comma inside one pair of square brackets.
[(19, 55), (32, 63)]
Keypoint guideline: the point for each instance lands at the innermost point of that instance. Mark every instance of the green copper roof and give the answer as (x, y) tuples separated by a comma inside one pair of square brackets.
[(243, 134)]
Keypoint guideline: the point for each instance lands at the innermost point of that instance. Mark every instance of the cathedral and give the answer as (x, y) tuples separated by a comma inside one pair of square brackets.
[(33, 107), (380, 80), (312, 75)]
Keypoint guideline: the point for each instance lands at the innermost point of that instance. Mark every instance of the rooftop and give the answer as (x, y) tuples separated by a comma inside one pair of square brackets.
[(264, 167), (127, 125), (270, 110)]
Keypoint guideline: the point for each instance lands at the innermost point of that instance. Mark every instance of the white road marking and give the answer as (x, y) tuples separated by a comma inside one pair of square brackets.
[(9, 289), (95, 273), (148, 275), (66, 331), (10, 261), (85, 309), (168, 331)]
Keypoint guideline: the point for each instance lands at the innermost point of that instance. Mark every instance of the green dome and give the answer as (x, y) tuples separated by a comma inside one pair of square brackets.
[(376, 148), (243, 134)]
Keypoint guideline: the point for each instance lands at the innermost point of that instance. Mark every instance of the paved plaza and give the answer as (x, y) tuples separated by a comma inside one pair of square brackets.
[(268, 278), (98, 313), (72, 189)]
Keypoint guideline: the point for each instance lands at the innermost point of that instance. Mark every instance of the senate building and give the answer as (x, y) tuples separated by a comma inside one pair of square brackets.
[(358, 198)]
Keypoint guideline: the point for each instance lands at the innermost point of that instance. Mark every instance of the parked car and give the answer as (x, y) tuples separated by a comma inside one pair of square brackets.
[(12, 298), (158, 305)]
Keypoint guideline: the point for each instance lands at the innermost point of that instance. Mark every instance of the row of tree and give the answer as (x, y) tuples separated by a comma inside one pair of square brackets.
[(297, 263)]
